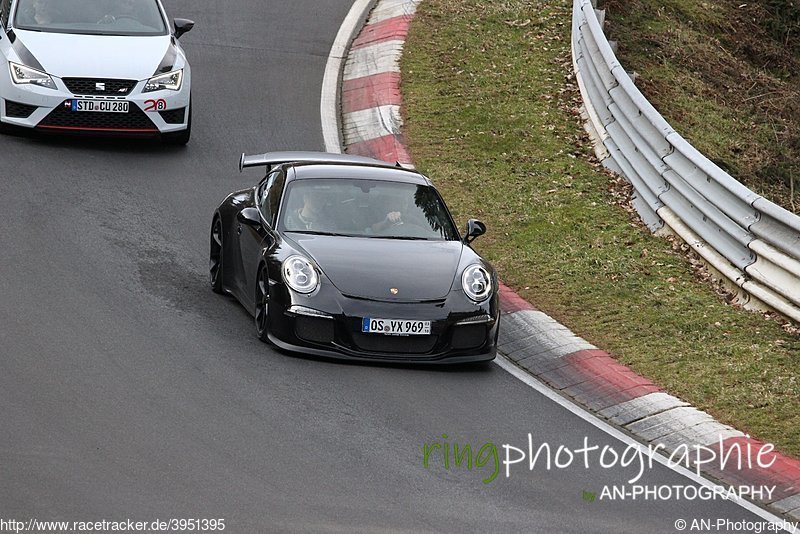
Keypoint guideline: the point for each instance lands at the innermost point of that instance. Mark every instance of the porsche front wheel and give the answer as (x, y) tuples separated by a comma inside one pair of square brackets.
[(215, 257), (262, 303)]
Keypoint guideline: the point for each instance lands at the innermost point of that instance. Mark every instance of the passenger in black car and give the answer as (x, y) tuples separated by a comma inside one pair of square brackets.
[(311, 215)]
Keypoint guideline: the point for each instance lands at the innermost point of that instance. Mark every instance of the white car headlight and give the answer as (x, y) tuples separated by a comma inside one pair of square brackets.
[(171, 81), (299, 274), (477, 283), (22, 75)]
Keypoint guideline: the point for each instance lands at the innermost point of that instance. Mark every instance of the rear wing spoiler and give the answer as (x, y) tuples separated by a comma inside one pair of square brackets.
[(271, 159)]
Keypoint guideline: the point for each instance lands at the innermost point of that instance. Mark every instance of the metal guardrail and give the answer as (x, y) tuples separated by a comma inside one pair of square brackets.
[(749, 240)]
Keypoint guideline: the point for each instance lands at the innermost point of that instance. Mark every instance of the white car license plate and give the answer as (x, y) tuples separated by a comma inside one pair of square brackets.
[(396, 327), (104, 106)]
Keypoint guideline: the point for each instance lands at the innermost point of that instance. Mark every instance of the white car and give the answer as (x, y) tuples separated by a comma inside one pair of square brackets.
[(94, 66)]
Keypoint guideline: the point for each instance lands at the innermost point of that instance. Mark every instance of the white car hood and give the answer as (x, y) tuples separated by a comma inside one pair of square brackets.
[(96, 56)]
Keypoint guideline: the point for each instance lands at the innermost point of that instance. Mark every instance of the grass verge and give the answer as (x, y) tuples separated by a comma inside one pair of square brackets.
[(491, 116), (725, 75)]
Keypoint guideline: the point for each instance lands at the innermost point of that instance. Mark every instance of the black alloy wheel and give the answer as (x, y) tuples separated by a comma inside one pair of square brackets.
[(215, 256), (262, 303)]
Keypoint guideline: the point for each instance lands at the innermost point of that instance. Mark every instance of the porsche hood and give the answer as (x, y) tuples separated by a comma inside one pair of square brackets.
[(96, 56), (372, 268)]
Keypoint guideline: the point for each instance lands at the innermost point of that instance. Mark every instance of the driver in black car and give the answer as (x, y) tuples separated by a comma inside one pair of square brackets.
[(393, 218), (390, 207)]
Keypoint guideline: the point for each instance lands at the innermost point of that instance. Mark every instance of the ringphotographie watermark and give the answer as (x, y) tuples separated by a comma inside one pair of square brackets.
[(494, 461)]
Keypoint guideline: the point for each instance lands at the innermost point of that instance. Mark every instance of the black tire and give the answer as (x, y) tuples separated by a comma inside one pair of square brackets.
[(262, 304), (6, 128), (215, 256), (182, 137)]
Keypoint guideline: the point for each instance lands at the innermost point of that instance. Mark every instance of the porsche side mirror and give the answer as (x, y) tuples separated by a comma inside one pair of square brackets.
[(182, 26), (475, 229), (249, 216)]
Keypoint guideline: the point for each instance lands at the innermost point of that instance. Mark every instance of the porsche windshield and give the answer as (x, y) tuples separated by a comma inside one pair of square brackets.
[(366, 208), (92, 17)]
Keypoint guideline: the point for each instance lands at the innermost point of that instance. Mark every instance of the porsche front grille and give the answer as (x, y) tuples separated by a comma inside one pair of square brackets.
[(394, 344), (469, 336), (314, 329)]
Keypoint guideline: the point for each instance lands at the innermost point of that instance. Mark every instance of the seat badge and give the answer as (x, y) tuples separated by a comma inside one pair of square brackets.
[(100, 86)]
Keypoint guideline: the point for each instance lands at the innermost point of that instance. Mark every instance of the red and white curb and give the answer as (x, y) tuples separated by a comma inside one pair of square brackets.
[(592, 378), (370, 91), (536, 343)]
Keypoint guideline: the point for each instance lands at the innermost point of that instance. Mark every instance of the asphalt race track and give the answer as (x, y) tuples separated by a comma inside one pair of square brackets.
[(129, 390)]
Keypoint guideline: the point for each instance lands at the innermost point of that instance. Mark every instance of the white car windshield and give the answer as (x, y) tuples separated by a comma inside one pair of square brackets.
[(366, 208), (91, 17)]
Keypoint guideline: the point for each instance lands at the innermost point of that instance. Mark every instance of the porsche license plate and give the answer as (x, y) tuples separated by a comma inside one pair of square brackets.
[(103, 106), (395, 327)]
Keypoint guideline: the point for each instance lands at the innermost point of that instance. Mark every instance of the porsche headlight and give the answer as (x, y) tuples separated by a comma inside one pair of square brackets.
[(22, 75), (299, 274), (171, 81), (477, 283)]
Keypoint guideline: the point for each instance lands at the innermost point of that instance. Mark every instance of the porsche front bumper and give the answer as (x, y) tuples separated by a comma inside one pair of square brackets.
[(460, 331)]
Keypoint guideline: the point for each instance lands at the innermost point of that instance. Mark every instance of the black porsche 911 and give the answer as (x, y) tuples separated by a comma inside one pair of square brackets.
[(351, 257)]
